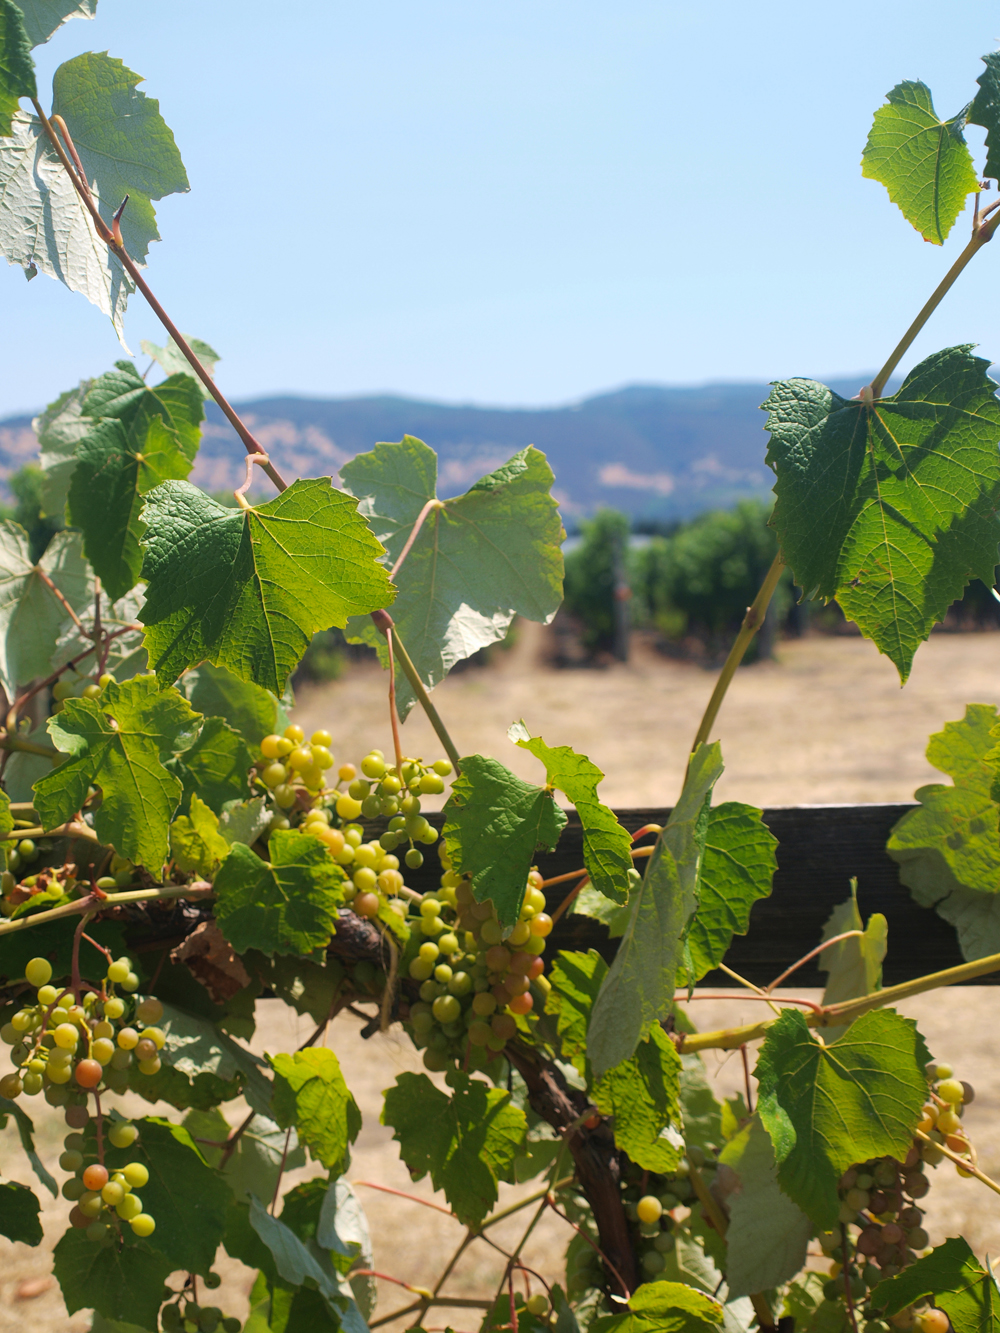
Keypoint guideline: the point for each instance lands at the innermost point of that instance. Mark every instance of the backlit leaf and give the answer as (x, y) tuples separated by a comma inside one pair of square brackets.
[(126, 655), (173, 361), (642, 1095), (853, 966), (826, 1107), (196, 844), (248, 588), (59, 429), (607, 847), (494, 824), (921, 160), (44, 17), (118, 742), (985, 111), (575, 980), (31, 615), (890, 507), (310, 1093), (664, 1307), (124, 143), (285, 905), (196, 1047), (479, 559), (252, 711), (17, 69), (467, 1141), (138, 437), (639, 987), (216, 766), (954, 1280), (294, 1261)]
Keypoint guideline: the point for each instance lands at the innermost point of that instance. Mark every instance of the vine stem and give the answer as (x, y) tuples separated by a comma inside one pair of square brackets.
[(16, 743), (963, 1162), (726, 1039), (393, 717), (111, 900), (383, 622), (813, 953), (414, 532), (752, 622), (105, 233), (848, 1273), (74, 829), (60, 598)]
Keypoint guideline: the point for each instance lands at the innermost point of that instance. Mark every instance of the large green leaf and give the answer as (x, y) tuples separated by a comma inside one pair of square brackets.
[(248, 588), (196, 845), (258, 1158), (642, 1095), (118, 742), (768, 1233), (19, 1211), (890, 507), (285, 905), (853, 967), (296, 1262), (574, 983), (985, 111), (664, 1307), (467, 1141), (173, 361), (124, 143), (17, 69), (59, 429), (216, 766), (736, 871), (44, 17), (197, 1048), (922, 161), (826, 1107), (953, 840), (607, 847), (126, 656), (310, 1093), (138, 438), (954, 1280), (31, 615), (45, 227), (122, 1284), (639, 987), (248, 708), (494, 824), (185, 1196), (479, 559)]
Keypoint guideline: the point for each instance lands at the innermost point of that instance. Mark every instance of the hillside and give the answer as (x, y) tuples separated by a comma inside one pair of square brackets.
[(652, 451)]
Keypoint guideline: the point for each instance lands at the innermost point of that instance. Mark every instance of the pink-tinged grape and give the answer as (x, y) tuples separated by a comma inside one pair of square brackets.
[(95, 1177), (479, 1033), (497, 958), (521, 1004), (145, 1049), (38, 971), (515, 985), (503, 1026), (933, 1321), (366, 904), (77, 1117), (541, 924)]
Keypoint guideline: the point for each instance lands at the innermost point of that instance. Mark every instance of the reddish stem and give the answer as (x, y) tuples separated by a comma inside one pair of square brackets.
[(386, 1189), (683, 998), (396, 744), (593, 1245), (570, 898), (100, 1128), (813, 953), (431, 504)]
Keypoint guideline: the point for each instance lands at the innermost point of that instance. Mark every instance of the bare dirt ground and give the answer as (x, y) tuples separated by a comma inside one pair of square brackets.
[(825, 722)]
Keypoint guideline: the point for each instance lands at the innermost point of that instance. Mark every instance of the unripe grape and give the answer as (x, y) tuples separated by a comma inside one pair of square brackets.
[(479, 1033), (284, 796), (95, 1177), (948, 1122), (119, 970), (420, 969), (71, 1161), (77, 1117), (446, 1008), (274, 775), (72, 1190), (21, 1021), (431, 785), (47, 995), (414, 858), (131, 983), (143, 1225), (460, 983), (128, 1039), (59, 1073), (155, 1035), (649, 1209), (122, 1134), (653, 1262), (857, 1199), (348, 807), (121, 1060), (66, 1037), (442, 767), (484, 1003), (491, 932), (951, 1090), (538, 1305), (129, 1207), (66, 1001), (38, 971), (114, 1008), (295, 734), (150, 1067), (27, 849), (107, 882), (442, 974), (503, 1026), (9, 1034), (102, 1050), (112, 1193), (373, 766), (90, 1204)]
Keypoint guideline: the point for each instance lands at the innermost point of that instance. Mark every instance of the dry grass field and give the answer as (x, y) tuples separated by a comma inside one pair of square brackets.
[(825, 722)]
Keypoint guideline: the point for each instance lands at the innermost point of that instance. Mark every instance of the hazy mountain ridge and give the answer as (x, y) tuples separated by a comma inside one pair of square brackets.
[(653, 451)]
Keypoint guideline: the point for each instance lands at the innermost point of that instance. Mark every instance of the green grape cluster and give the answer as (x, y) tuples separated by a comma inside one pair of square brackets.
[(651, 1203), (187, 1316), (942, 1118), (103, 1199), (474, 975), (21, 852), (60, 1046)]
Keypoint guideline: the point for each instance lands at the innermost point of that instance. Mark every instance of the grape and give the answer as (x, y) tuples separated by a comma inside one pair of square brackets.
[(114, 1008), (653, 1262), (414, 858), (442, 767), (59, 1073), (77, 1117), (119, 970), (365, 880), (95, 1177), (149, 1010), (950, 1090), (128, 1039), (916, 1184), (112, 1193), (420, 969), (366, 904), (541, 924), (71, 1161), (122, 1134), (38, 971), (156, 1036), (130, 1207), (274, 775), (649, 1209), (431, 785), (143, 1225), (295, 734), (521, 1004), (66, 1037), (446, 1008), (933, 1321), (10, 1086), (150, 1067), (102, 1050)]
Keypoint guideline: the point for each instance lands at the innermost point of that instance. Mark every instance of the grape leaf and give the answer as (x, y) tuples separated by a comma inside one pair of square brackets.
[(308, 987), (343, 1230), (123, 142), (124, 1284), (196, 844), (59, 429), (768, 1234), (985, 111), (826, 1107), (118, 742), (922, 161), (248, 708), (642, 1095), (17, 69), (45, 227), (663, 1307), (639, 987), (574, 982), (44, 17), (953, 840), (26, 1133), (954, 1279), (173, 361), (494, 824), (19, 1211), (700, 1112), (310, 1093), (195, 1047), (257, 1160), (244, 821), (854, 966), (736, 871), (285, 905), (216, 766), (890, 508), (186, 1197), (126, 655), (248, 588), (479, 559), (138, 438), (296, 1262), (607, 848), (31, 615), (467, 1141)]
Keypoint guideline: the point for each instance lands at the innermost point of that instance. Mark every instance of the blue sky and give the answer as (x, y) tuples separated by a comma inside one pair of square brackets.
[(525, 202)]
